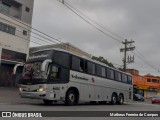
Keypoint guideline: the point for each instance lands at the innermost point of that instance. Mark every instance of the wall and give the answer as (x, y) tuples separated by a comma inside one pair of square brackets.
[(26, 16), (17, 42)]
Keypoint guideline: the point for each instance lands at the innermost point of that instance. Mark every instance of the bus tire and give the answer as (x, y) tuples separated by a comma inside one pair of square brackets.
[(71, 98), (102, 102), (93, 102), (48, 102), (121, 99), (114, 99)]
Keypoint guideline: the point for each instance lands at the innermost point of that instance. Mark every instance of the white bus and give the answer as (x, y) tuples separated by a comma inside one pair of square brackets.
[(58, 75)]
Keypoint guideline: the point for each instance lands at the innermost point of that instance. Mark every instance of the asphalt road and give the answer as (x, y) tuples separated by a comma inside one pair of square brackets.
[(11, 101)]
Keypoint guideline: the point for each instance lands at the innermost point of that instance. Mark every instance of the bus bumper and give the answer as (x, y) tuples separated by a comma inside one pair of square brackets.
[(43, 95), (33, 95)]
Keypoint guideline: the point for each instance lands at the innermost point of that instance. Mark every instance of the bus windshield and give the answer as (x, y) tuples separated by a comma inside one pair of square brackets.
[(33, 71)]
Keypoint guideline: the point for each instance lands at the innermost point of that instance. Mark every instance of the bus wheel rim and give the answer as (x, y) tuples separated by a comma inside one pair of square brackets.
[(114, 99), (121, 100), (71, 97)]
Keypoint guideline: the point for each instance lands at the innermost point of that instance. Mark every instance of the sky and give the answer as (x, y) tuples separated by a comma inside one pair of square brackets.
[(137, 20)]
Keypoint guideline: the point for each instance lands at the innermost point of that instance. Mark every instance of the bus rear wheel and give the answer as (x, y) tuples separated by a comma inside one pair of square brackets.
[(71, 98), (114, 99), (48, 102), (121, 99)]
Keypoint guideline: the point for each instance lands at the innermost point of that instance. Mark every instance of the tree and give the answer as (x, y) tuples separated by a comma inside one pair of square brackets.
[(103, 60)]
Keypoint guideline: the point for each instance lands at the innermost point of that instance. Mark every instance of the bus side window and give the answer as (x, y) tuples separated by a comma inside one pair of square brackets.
[(54, 72), (129, 81), (117, 76), (99, 70), (110, 73), (90, 68), (83, 65), (60, 57), (124, 78), (75, 63), (103, 72)]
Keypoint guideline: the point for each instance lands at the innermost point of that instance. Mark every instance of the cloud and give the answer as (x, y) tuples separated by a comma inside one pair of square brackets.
[(131, 19)]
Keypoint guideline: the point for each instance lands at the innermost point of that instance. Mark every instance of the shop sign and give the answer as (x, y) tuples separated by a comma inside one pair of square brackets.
[(143, 87)]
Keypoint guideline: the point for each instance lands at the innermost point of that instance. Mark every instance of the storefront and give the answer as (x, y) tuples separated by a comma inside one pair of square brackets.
[(8, 59)]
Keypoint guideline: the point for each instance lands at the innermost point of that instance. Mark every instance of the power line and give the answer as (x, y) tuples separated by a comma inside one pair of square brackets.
[(38, 38), (93, 21), (53, 41), (61, 45), (30, 28), (28, 40), (30, 31), (140, 57), (64, 3)]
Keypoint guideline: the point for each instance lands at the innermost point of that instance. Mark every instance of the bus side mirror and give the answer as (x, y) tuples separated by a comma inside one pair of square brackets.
[(45, 64), (16, 66)]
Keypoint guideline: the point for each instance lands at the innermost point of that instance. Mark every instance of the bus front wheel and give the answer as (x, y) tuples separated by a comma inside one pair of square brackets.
[(71, 98), (48, 102)]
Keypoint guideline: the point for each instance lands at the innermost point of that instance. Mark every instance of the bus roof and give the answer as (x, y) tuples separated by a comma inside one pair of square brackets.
[(89, 59)]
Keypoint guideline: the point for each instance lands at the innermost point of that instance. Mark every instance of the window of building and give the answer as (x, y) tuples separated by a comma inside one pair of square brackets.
[(139, 78), (7, 28), (62, 59), (27, 9), (148, 80), (90, 68), (24, 32), (11, 29), (6, 2), (154, 80)]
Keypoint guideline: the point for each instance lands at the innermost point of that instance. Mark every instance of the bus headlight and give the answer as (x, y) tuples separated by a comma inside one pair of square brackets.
[(20, 89), (40, 89)]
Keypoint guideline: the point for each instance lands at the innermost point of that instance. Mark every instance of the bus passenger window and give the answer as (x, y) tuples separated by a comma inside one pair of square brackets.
[(129, 81), (99, 70), (90, 68), (54, 72), (83, 65), (124, 78), (117, 76), (103, 72), (110, 73), (75, 63), (62, 59)]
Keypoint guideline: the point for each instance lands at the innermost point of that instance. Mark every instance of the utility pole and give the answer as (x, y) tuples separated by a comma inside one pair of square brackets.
[(127, 47)]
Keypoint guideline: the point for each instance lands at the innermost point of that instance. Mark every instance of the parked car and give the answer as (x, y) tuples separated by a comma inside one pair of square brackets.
[(155, 99), (138, 97)]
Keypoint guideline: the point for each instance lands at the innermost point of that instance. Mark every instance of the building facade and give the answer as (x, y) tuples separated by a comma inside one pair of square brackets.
[(146, 85), (15, 27)]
